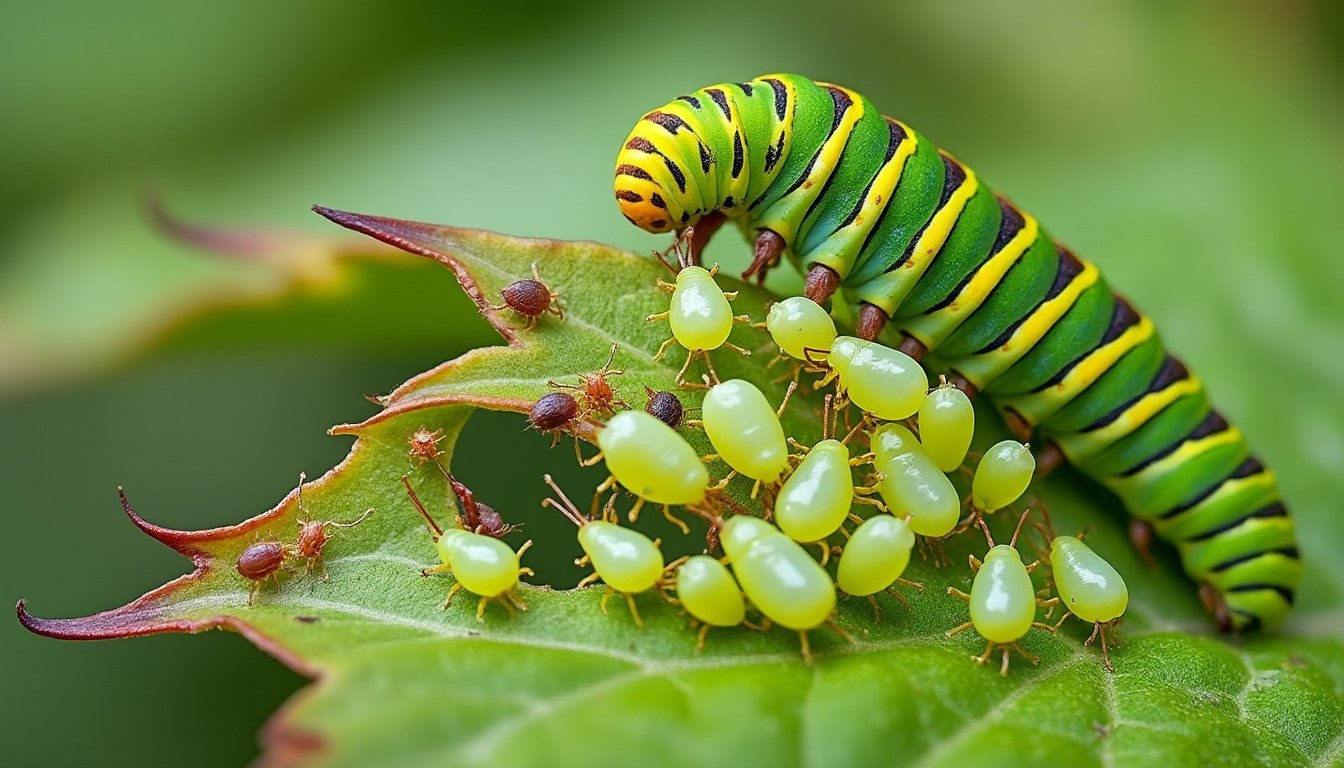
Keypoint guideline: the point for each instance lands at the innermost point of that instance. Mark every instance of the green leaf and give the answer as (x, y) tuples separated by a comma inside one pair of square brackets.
[(403, 682)]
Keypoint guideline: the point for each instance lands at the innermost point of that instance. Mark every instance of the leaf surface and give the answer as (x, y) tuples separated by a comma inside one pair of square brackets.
[(402, 682)]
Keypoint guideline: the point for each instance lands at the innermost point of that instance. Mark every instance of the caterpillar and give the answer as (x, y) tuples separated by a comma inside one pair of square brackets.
[(875, 215)]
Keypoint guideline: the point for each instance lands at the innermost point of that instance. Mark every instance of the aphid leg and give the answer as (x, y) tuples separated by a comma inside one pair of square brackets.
[(634, 612), (680, 380), (974, 562), (708, 458), (958, 630), (435, 569), (859, 498), (1052, 603), (825, 552), (449, 599), (877, 611), (1033, 658), (700, 638), (1105, 654), (663, 348), (713, 374), (806, 647), (657, 316), (671, 518), (1043, 625), (634, 511), (957, 593), (908, 583)]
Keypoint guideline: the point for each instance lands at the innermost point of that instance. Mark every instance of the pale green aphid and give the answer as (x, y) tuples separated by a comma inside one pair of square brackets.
[(913, 485), (817, 497), (710, 594), (883, 381), (875, 557), (778, 576), (1003, 474), (1089, 588), (482, 565), (798, 324), (946, 425), (1003, 600), (699, 313), (625, 559), (745, 430), (652, 461)]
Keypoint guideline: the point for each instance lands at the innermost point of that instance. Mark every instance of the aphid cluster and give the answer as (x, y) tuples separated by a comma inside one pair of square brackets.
[(266, 560), (839, 519), (916, 437)]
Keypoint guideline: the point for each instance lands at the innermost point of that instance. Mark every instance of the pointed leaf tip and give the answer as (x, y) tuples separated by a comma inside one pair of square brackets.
[(400, 233)]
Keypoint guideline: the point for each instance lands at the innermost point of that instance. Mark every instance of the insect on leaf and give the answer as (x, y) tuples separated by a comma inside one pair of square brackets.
[(402, 682)]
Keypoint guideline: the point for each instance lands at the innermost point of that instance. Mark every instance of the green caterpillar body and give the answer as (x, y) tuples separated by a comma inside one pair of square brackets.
[(868, 207)]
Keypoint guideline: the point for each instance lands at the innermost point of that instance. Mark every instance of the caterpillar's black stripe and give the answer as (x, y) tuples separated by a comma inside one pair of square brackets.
[(953, 177)]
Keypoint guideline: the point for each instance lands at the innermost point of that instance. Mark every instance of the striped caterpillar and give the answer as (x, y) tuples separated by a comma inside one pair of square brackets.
[(874, 214)]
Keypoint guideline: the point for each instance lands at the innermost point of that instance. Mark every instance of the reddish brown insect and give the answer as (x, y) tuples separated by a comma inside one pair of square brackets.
[(531, 299), (425, 446), (477, 517), (259, 562), (598, 395), (665, 407), (313, 535)]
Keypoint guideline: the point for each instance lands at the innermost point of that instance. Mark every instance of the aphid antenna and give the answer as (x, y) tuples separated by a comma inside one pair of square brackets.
[(1025, 513), (420, 507), (567, 508), (989, 537), (663, 260)]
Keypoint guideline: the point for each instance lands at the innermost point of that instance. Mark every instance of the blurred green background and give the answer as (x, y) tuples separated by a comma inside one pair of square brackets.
[(1193, 150)]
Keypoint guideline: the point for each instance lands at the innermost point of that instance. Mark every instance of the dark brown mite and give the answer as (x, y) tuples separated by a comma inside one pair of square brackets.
[(531, 299), (665, 406), (478, 517), (553, 412), (425, 446), (597, 392), (259, 562)]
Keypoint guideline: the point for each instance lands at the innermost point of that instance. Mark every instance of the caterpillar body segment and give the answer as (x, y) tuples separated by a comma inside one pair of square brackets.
[(875, 215)]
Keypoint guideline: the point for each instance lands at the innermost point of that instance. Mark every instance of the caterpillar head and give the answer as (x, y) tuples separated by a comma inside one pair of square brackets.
[(645, 187)]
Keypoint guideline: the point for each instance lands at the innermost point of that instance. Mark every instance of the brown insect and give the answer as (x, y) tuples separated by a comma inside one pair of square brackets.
[(596, 390), (665, 407), (553, 412), (476, 516), (425, 446), (531, 299), (313, 536), (259, 562)]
